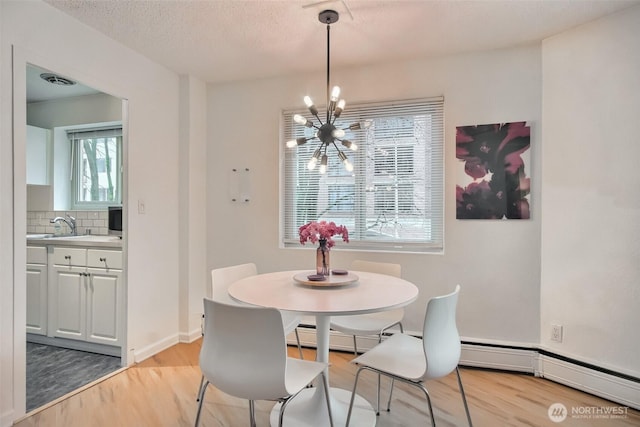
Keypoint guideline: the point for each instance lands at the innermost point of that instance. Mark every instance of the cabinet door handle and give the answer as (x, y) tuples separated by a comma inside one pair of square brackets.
[(67, 257), (103, 259)]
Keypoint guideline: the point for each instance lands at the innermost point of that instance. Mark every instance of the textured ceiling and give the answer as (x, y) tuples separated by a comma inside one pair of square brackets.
[(223, 40)]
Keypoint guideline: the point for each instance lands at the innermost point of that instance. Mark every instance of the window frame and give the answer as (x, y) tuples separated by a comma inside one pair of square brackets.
[(433, 186), (75, 166)]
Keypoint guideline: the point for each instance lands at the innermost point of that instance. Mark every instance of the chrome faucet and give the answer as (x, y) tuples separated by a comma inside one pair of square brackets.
[(71, 222)]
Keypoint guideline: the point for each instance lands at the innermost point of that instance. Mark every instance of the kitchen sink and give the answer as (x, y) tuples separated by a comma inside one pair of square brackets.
[(89, 238), (40, 236), (82, 238)]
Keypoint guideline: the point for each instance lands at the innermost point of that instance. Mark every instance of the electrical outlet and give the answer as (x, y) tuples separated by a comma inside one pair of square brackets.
[(556, 333)]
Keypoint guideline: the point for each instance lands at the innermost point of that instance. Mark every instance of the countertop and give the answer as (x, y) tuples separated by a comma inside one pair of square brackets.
[(90, 240)]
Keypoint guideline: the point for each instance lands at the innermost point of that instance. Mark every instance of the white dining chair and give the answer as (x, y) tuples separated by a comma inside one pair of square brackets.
[(372, 323), (222, 278), (244, 355), (413, 360)]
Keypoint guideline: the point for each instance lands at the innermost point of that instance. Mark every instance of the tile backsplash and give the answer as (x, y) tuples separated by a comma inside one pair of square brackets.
[(87, 222)]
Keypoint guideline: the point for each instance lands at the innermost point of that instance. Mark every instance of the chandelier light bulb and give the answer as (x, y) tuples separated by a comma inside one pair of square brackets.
[(298, 141), (299, 119), (338, 133), (335, 93), (308, 101), (302, 121), (345, 161), (348, 166), (323, 164), (339, 108), (314, 160), (360, 125), (350, 145), (312, 163)]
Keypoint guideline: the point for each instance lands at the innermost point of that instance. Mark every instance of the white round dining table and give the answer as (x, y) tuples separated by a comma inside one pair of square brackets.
[(371, 292)]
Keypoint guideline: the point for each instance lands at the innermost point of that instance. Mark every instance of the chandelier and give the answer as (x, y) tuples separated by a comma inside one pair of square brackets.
[(326, 132)]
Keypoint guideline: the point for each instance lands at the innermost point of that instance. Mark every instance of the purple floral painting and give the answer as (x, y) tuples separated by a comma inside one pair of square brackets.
[(493, 181)]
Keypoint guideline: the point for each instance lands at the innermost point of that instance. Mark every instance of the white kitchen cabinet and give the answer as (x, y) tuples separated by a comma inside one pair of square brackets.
[(37, 292), (38, 155), (87, 300)]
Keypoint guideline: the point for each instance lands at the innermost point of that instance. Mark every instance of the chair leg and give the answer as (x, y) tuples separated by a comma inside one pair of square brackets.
[(464, 398), (426, 393), (200, 401), (355, 346), (298, 341), (200, 389), (393, 380), (416, 384), (326, 395), (353, 395), (378, 392), (252, 413), (283, 404)]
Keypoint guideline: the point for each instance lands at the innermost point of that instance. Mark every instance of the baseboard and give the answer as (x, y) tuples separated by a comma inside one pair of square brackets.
[(190, 336), (611, 387), (618, 388), (501, 358), (140, 354), (6, 419)]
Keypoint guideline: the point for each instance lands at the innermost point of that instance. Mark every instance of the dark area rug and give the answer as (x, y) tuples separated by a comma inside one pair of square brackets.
[(54, 371)]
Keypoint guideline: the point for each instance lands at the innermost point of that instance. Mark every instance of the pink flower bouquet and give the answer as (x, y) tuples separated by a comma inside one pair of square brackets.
[(322, 230)]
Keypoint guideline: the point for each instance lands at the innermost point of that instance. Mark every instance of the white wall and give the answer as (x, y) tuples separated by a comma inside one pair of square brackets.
[(46, 37), (77, 110), (496, 262), (194, 276), (590, 281)]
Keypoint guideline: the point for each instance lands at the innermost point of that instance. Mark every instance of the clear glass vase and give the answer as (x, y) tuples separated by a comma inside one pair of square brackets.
[(322, 258)]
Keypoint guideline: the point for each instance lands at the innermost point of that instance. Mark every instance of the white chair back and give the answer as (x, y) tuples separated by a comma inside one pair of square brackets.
[(377, 267), (244, 350), (441, 341), (222, 278)]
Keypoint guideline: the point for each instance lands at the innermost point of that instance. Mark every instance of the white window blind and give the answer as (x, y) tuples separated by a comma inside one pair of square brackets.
[(393, 200)]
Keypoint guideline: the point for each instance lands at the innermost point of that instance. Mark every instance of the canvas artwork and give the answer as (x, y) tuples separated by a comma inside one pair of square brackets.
[(492, 180)]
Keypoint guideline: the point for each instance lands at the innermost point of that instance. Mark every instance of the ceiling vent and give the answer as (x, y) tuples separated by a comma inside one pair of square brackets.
[(56, 79)]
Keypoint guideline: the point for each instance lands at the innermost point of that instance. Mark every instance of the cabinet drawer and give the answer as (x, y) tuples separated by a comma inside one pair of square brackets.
[(102, 258), (36, 255), (69, 256)]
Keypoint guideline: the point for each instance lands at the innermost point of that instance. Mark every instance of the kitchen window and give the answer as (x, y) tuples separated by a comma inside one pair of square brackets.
[(96, 159), (393, 200)]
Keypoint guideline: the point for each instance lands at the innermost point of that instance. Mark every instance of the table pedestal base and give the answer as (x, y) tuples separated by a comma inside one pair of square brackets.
[(309, 409)]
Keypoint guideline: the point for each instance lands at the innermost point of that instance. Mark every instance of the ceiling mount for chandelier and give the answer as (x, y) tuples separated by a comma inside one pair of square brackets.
[(326, 132)]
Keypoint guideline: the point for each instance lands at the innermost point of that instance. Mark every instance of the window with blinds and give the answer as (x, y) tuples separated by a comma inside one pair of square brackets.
[(96, 165), (393, 200)]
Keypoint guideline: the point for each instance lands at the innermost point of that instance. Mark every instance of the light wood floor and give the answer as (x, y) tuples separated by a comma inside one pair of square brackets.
[(161, 391)]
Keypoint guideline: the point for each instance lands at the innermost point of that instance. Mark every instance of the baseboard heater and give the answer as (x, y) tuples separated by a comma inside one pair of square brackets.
[(621, 388)]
